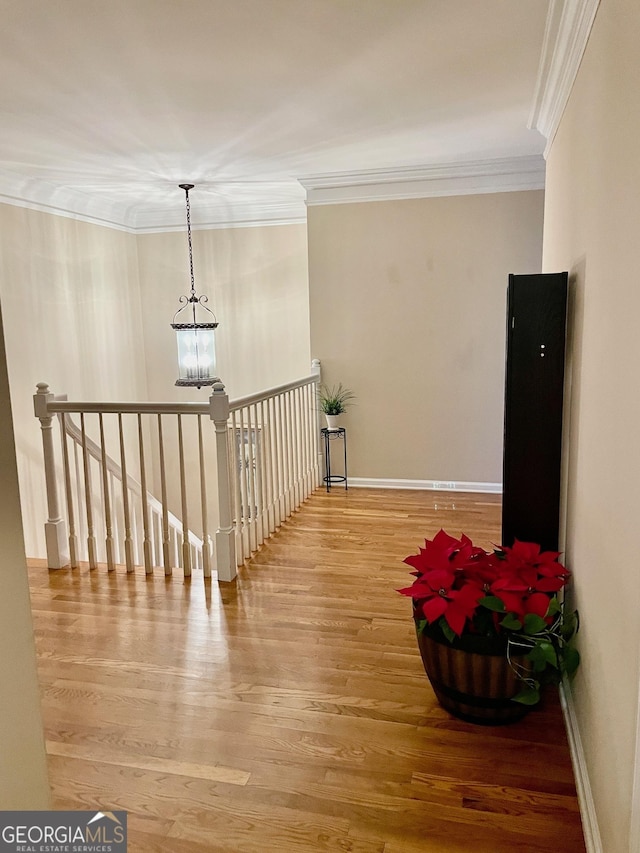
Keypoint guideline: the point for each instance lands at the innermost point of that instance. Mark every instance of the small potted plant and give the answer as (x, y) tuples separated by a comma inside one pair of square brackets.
[(491, 626), (333, 402)]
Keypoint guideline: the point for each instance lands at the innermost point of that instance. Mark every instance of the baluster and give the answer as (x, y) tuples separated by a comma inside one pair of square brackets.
[(73, 539), (295, 419), (251, 482), (236, 456), (156, 519), (186, 556), (107, 502), (292, 454), (115, 515), (264, 475), (166, 549), (91, 539), (128, 543), (257, 470), (275, 461), (77, 467), (135, 530), (289, 440), (144, 502), (303, 440), (282, 457), (267, 437), (175, 542), (244, 486), (206, 538)]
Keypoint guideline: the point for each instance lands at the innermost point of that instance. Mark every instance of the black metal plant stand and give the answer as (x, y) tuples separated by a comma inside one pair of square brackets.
[(330, 435)]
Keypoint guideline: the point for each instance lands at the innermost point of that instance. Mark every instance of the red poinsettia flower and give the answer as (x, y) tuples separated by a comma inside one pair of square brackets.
[(453, 576), (526, 558), (444, 552), (436, 595), (519, 598)]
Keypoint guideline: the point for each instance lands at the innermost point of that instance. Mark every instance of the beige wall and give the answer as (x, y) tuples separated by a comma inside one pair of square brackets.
[(408, 306), (72, 294), (23, 767), (71, 305), (257, 285), (592, 226)]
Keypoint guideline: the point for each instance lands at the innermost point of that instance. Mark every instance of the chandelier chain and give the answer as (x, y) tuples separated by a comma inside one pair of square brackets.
[(193, 287)]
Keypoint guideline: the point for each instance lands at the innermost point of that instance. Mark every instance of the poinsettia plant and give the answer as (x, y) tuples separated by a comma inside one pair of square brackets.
[(512, 593)]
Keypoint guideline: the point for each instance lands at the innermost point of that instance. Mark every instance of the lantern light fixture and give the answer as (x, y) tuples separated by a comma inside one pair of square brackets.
[(195, 330)]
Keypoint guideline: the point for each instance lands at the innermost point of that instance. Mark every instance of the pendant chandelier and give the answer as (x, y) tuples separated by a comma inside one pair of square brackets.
[(195, 329)]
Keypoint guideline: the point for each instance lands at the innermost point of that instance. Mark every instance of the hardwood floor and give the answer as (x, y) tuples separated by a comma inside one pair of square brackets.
[(289, 712)]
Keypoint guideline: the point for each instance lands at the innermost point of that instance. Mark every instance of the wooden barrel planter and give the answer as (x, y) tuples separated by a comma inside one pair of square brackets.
[(472, 678)]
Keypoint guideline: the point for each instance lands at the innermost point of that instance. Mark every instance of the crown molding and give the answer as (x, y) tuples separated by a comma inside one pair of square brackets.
[(462, 178), (73, 204), (60, 201), (567, 30), (237, 215), (510, 174)]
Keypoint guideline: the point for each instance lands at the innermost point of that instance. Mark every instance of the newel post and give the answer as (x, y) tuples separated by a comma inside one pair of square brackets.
[(55, 531), (316, 369), (225, 548)]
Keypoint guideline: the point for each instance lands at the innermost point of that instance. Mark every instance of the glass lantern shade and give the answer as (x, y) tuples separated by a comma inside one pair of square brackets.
[(196, 354)]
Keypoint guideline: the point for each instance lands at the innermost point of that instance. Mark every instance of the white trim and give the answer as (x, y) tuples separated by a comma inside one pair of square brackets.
[(230, 223), (67, 213), (588, 814), (569, 24), (437, 485), (84, 207), (229, 215), (511, 174)]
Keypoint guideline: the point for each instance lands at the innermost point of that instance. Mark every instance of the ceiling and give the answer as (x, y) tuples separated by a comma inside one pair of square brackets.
[(106, 106)]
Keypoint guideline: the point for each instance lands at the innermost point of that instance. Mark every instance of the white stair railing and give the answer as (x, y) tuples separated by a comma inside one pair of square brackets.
[(273, 448), (136, 523), (262, 457)]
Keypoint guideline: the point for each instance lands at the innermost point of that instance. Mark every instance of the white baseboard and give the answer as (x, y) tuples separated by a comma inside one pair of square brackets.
[(439, 485), (590, 827)]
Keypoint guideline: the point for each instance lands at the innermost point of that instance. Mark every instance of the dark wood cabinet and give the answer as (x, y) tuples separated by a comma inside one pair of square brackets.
[(534, 385)]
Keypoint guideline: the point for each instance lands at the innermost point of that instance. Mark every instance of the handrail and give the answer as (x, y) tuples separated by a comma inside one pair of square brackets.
[(261, 396), (60, 406), (90, 407)]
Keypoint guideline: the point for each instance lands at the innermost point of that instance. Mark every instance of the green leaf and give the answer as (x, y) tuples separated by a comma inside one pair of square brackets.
[(543, 654), (571, 660), (570, 625), (529, 695), (447, 630), (492, 602), (511, 622), (421, 625), (554, 606), (533, 624)]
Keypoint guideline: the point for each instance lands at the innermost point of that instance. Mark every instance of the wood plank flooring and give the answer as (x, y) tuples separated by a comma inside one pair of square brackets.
[(289, 712)]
